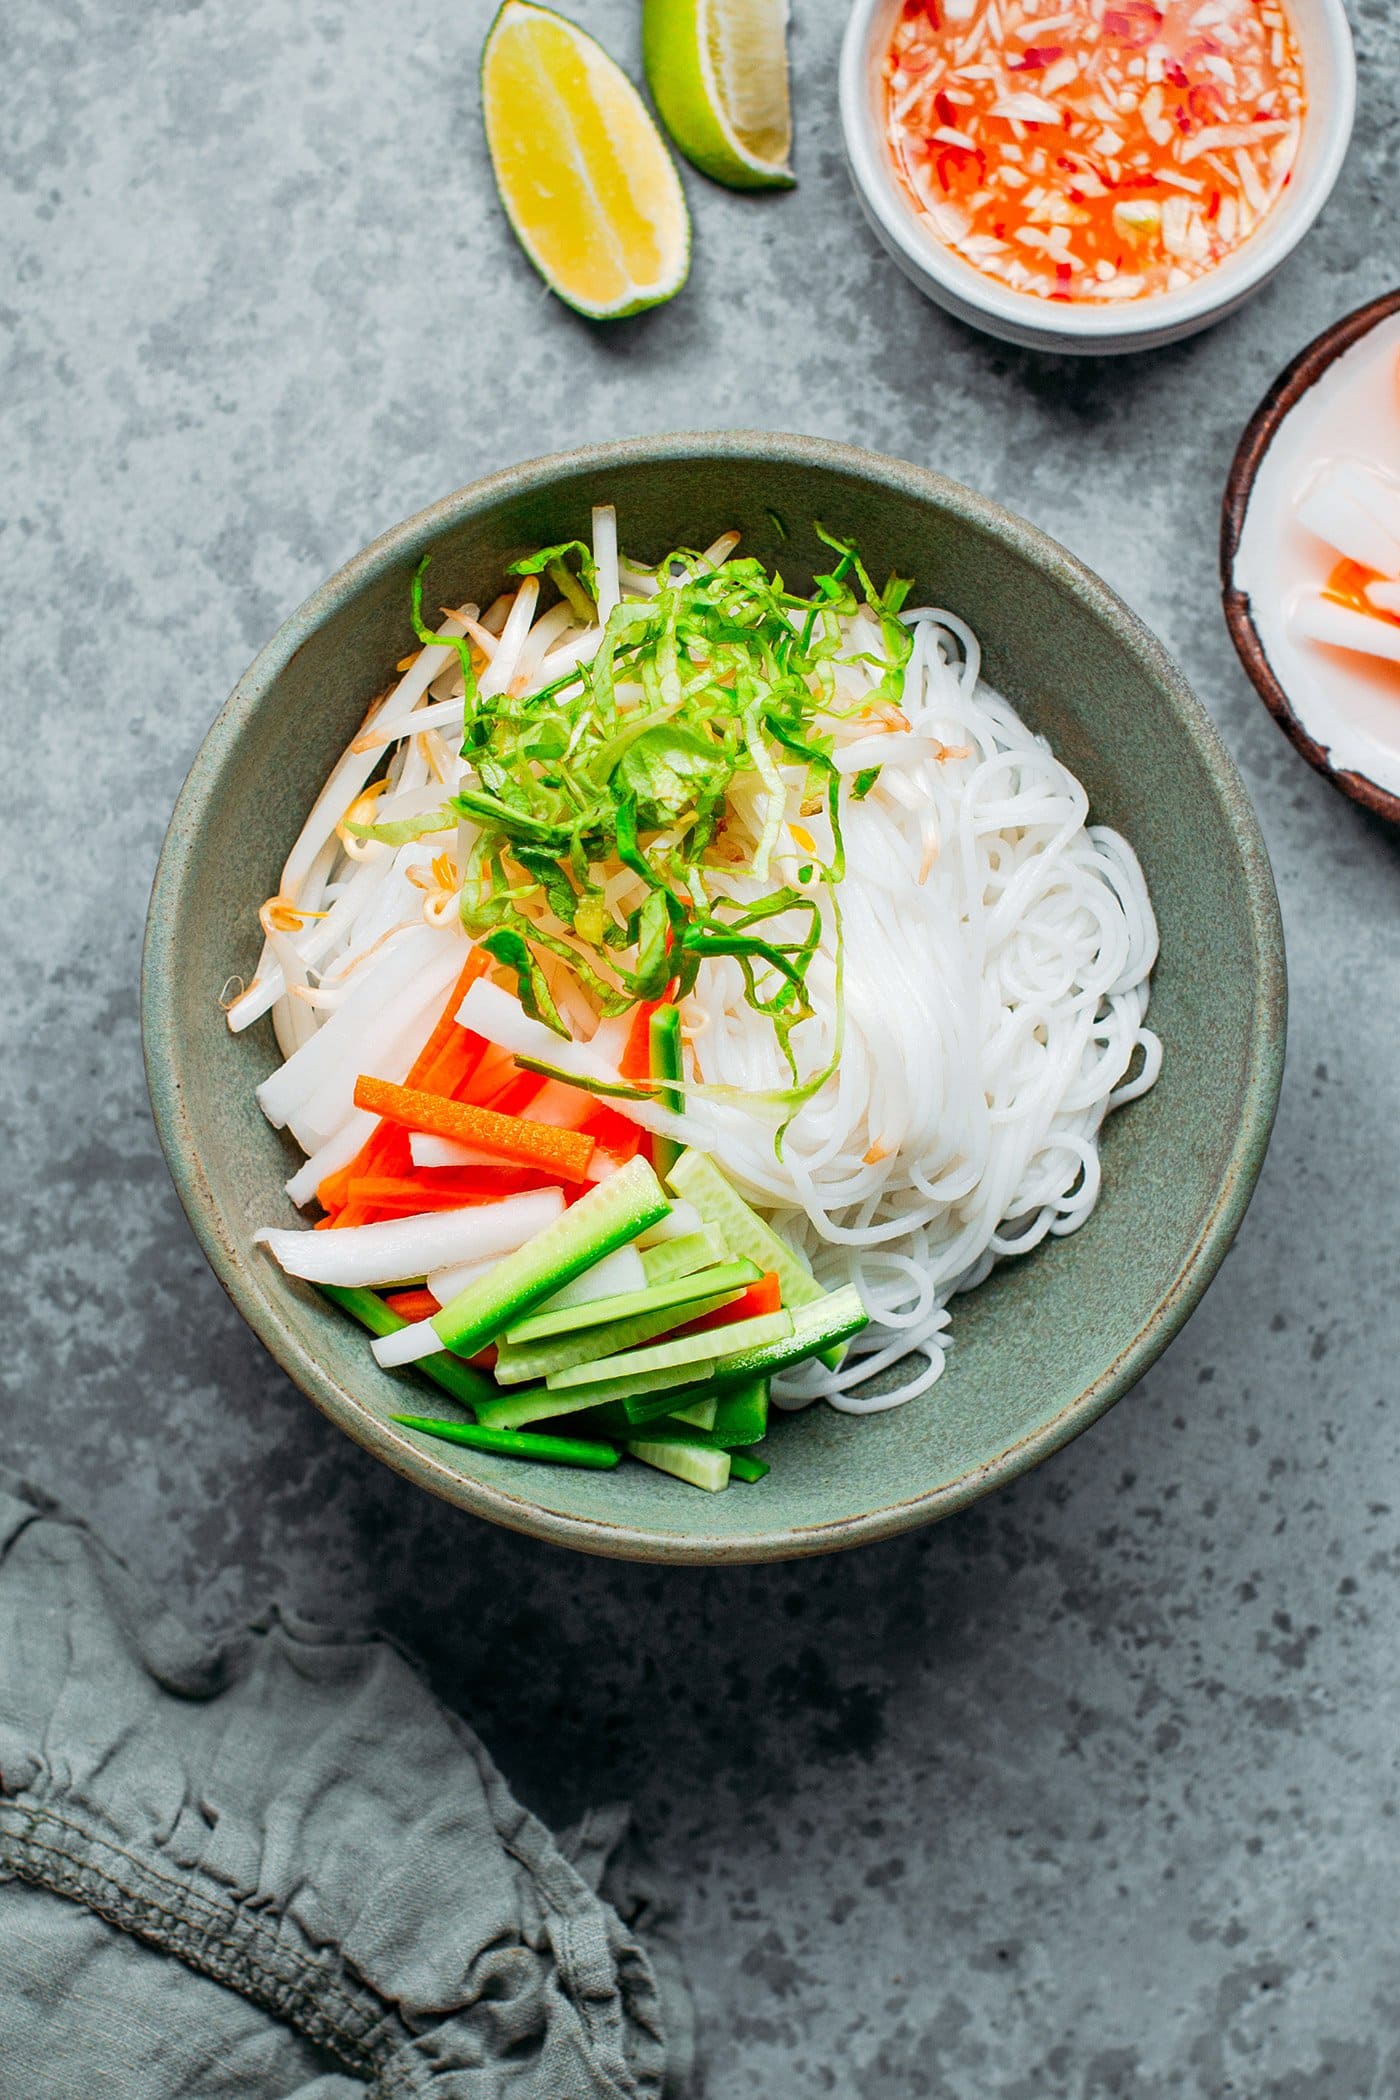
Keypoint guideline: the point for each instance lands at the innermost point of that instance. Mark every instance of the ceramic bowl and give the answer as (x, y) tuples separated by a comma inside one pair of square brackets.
[(1144, 324), (1048, 1343), (1329, 705)]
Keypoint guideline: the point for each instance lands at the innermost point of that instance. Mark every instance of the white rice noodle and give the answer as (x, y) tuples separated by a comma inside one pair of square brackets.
[(994, 1004), (402, 1248)]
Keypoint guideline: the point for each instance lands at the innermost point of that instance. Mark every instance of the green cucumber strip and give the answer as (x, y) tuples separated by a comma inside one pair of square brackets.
[(815, 1330), (742, 1467), (744, 1338), (742, 1414), (688, 1462), (557, 1352), (669, 1259), (667, 1063), (696, 1178), (555, 1450), (466, 1386), (639, 1386), (626, 1305), (700, 1414), (610, 1215), (519, 1410)]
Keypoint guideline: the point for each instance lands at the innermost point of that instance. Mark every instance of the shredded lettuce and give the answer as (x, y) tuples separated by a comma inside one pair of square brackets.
[(737, 679)]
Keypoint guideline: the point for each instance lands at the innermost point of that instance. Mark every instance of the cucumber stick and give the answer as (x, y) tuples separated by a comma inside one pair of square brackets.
[(625, 1305), (741, 1415), (696, 1177), (536, 1404), (607, 1217), (554, 1450), (470, 1388), (816, 1329), (556, 1352), (689, 1462), (745, 1337), (667, 1063), (669, 1259), (697, 1414), (643, 1389)]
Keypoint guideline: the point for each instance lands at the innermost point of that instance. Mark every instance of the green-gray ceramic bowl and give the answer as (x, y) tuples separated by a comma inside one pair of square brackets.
[(1048, 1343)]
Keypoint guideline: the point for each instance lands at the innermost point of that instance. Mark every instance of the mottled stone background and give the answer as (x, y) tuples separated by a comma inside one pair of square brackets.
[(1091, 1791)]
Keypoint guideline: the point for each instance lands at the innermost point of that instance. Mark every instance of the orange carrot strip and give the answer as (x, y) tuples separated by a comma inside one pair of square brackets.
[(449, 1051), (563, 1152), (442, 1040), (411, 1305), (405, 1197), (635, 1061), (516, 1095)]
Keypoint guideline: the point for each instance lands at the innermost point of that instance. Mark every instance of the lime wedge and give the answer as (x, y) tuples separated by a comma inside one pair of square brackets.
[(582, 171), (717, 70)]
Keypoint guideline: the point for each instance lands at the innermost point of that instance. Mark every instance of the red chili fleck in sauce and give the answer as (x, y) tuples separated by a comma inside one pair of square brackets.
[(1093, 149)]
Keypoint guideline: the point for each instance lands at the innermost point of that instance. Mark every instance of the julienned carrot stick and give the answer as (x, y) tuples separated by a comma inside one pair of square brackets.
[(521, 1143), (411, 1305), (387, 1196), (444, 1061), (443, 1039)]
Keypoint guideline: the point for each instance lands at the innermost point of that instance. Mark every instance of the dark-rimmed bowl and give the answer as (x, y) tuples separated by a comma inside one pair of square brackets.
[(1307, 368), (1048, 1343)]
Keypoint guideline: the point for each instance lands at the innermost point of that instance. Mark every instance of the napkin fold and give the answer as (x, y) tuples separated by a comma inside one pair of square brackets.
[(277, 1866)]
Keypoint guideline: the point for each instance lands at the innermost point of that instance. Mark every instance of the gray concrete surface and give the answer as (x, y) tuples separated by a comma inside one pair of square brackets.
[(1090, 1792)]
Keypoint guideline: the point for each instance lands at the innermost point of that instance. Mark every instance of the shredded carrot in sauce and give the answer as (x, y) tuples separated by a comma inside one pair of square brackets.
[(1093, 150)]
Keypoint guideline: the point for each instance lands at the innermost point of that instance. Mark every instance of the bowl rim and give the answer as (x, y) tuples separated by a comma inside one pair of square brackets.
[(169, 1087), (1311, 364), (1135, 324)]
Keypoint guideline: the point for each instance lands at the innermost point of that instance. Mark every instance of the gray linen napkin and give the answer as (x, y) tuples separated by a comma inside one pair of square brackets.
[(278, 1869)]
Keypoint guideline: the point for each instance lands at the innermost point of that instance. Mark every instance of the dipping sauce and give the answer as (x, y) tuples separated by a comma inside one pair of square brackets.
[(1093, 150)]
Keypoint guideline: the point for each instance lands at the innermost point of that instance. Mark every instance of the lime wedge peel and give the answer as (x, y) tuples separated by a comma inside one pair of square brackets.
[(582, 172), (718, 74)]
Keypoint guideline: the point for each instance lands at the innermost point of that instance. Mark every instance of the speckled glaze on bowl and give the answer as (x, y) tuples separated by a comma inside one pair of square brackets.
[(1048, 1343)]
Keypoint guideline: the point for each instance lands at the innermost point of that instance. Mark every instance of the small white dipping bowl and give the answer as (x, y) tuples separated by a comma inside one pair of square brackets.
[(1329, 70)]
